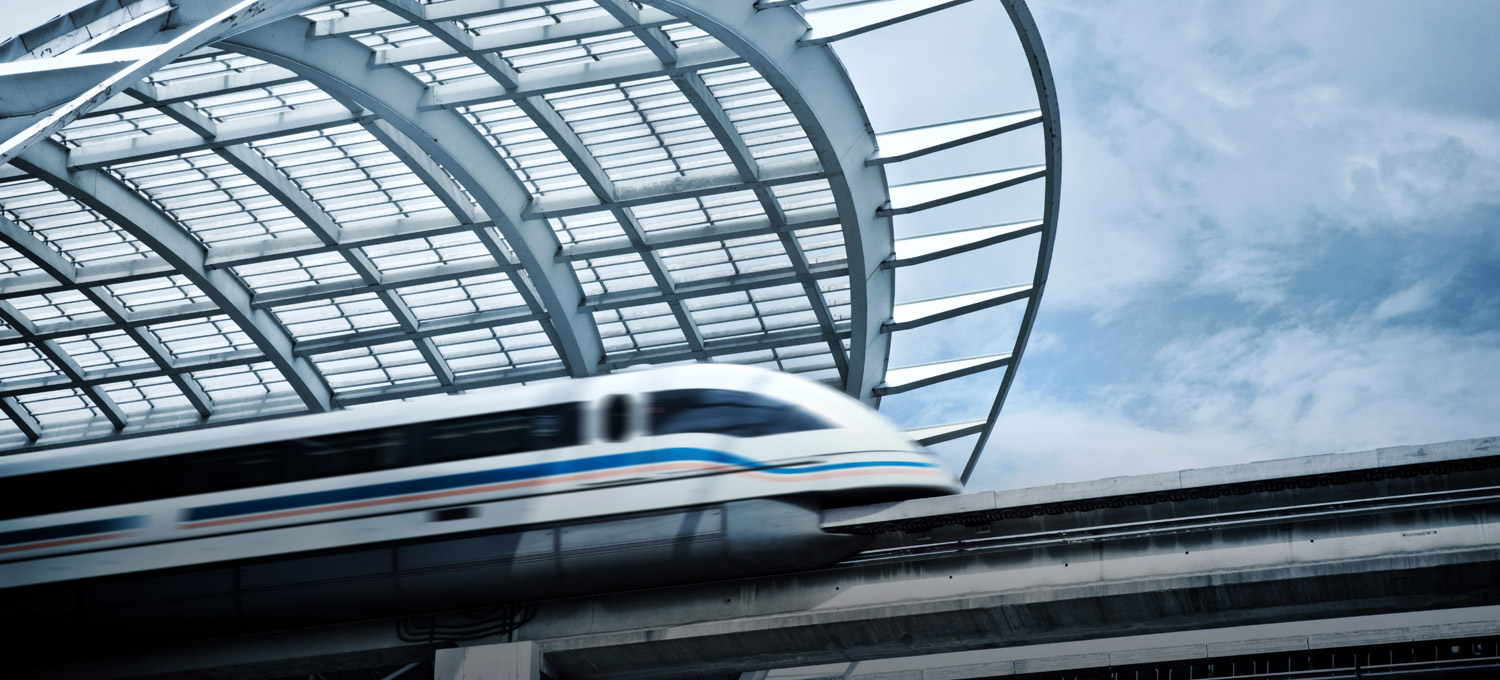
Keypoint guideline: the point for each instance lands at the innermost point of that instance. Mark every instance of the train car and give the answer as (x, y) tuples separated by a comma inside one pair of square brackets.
[(623, 481)]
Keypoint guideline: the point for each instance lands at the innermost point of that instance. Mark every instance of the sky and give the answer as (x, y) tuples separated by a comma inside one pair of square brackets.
[(1278, 232), (1277, 237)]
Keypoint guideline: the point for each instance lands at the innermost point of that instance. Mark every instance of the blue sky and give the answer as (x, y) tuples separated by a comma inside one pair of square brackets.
[(1278, 232)]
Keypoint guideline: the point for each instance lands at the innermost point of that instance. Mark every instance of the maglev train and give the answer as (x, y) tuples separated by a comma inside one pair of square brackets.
[(623, 481)]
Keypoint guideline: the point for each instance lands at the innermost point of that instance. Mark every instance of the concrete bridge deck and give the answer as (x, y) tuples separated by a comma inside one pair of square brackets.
[(1395, 530)]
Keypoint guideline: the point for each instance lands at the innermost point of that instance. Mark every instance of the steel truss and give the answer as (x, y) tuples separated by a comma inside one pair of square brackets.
[(221, 210)]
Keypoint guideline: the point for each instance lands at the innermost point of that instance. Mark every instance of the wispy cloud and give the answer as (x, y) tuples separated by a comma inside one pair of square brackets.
[(1210, 147), (1248, 393)]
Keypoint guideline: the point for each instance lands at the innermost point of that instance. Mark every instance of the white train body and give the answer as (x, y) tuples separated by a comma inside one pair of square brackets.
[(624, 458)]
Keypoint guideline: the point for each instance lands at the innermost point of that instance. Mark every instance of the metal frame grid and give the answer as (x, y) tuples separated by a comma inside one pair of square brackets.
[(231, 209)]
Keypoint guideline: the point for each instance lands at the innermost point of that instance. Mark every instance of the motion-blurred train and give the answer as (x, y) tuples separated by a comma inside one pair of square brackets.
[(623, 481)]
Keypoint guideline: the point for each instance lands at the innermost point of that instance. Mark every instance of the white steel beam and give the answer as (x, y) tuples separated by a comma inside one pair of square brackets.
[(908, 378), (198, 23), (917, 196), (67, 34), (1046, 94), (154, 349), (33, 86), (901, 145), (305, 118), (21, 418), (850, 19), (916, 314), (185, 115), (718, 286), (59, 358), (450, 10), (52, 330), (582, 159), (929, 247), (54, 264), (574, 76), (937, 434), (816, 88), (525, 36)]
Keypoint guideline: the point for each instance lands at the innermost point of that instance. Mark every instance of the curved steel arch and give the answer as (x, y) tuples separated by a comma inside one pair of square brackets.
[(105, 195), (339, 65), (723, 248), (815, 86), (1046, 93), (192, 26)]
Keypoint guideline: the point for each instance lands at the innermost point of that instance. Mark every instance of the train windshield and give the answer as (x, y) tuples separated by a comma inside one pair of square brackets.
[(727, 412)]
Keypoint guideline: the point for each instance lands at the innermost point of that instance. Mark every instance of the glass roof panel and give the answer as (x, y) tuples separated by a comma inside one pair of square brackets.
[(59, 407), (369, 274), (83, 236), (212, 199), (24, 362), (193, 340), (166, 292), (103, 351), (306, 321), (63, 305), (460, 297), (136, 397), (489, 349), (242, 383)]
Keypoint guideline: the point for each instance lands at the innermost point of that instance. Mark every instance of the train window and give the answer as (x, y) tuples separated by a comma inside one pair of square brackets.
[(737, 414), (493, 434), (616, 414), (350, 453), (237, 468), (333, 455)]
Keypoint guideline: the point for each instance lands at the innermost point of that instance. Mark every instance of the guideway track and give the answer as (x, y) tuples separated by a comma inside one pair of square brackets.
[(1380, 532)]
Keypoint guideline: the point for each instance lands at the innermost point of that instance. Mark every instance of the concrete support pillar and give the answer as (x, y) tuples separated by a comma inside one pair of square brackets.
[(508, 661)]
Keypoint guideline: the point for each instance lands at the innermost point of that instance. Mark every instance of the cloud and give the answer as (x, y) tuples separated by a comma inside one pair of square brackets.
[(1249, 393), (1407, 301), (1211, 148)]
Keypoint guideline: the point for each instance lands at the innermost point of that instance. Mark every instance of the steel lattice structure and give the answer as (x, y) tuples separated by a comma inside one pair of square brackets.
[(227, 209)]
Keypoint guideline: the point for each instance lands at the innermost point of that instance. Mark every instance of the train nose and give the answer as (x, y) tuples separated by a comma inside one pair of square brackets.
[(768, 535)]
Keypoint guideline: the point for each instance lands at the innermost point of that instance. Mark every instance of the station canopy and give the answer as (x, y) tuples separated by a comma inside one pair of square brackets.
[(220, 210)]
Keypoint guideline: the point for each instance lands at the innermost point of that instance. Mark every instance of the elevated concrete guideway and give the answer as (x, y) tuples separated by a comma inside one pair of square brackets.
[(1379, 532)]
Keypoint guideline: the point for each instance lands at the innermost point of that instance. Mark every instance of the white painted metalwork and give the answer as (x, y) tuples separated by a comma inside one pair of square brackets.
[(229, 209)]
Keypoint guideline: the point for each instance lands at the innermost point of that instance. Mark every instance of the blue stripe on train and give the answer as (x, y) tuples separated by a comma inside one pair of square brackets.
[(510, 474), (98, 526)]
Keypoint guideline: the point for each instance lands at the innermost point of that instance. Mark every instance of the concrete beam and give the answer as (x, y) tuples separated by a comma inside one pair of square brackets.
[(1343, 535)]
